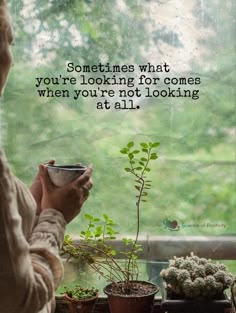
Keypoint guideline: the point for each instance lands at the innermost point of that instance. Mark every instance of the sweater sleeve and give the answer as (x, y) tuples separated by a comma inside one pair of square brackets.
[(29, 272)]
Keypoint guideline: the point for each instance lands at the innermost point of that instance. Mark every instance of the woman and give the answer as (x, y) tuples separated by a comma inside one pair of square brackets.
[(32, 222)]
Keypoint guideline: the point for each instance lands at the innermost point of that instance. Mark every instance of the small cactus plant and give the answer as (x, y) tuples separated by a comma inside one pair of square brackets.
[(194, 277)]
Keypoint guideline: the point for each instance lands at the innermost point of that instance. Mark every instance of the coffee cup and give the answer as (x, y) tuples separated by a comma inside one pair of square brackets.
[(61, 175)]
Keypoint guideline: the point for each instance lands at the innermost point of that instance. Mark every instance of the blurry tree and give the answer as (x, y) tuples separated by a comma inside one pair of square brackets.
[(49, 33)]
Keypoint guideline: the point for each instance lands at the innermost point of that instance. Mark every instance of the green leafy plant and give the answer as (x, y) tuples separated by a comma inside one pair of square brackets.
[(80, 293), (95, 246), (139, 161)]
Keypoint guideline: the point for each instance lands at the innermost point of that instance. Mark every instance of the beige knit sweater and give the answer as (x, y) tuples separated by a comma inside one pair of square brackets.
[(30, 268)]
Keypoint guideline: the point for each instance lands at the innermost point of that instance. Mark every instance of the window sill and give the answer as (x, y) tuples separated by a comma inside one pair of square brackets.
[(102, 307)]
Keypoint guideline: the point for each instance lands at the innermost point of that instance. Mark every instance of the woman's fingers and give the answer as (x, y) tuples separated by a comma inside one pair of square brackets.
[(85, 178), (45, 179), (51, 162)]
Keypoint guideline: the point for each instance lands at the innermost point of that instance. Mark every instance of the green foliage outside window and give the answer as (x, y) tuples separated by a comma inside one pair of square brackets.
[(194, 179)]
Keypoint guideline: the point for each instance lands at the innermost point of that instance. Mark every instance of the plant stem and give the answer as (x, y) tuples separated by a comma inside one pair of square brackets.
[(141, 178)]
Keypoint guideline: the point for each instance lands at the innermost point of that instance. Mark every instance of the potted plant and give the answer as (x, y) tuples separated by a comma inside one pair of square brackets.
[(125, 292), (197, 283), (81, 300)]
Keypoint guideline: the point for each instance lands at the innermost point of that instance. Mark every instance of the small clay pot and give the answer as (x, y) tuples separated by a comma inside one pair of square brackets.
[(81, 306), (120, 303)]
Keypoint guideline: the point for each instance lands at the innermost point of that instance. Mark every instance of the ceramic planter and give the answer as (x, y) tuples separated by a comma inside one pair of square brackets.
[(120, 303), (81, 306), (174, 304)]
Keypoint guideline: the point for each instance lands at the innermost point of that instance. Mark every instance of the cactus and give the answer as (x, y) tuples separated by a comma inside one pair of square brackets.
[(199, 271), (183, 275), (194, 277)]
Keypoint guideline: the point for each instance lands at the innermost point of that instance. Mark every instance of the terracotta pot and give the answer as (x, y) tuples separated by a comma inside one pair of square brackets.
[(120, 303), (81, 306)]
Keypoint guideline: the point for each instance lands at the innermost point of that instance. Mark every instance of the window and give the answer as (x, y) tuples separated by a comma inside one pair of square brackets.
[(193, 181)]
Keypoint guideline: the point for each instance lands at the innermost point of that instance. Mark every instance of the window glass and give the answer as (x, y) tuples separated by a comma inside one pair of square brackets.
[(192, 42)]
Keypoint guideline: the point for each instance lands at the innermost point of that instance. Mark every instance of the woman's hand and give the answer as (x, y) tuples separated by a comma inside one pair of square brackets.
[(67, 199), (36, 189)]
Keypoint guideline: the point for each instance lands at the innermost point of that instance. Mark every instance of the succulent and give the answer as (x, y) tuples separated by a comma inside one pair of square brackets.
[(198, 286), (219, 276), (188, 265), (194, 277), (210, 268), (80, 293), (199, 283), (176, 262), (210, 281), (202, 261), (171, 275), (188, 288), (193, 258), (199, 271), (183, 275), (221, 266), (228, 280)]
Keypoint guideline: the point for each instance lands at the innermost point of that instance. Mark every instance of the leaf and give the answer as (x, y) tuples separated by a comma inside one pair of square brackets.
[(127, 169), (143, 144), (155, 144), (131, 156), (96, 219), (145, 150), (124, 151), (110, 223), (138, 181), (154, 156), (143, 159), (88, 217), (141, 163), (98, 230), (139, 168), (67, 237), (88, 233), (144, 200), (113, 252), (147, 169), (105, 216), (130, 144), (137, 187), (135, 151)]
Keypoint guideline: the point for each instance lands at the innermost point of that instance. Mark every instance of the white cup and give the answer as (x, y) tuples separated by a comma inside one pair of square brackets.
[(61, 175)]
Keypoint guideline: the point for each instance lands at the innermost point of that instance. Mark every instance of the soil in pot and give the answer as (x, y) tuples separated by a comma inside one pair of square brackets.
[(138, 297), (81, 306)]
